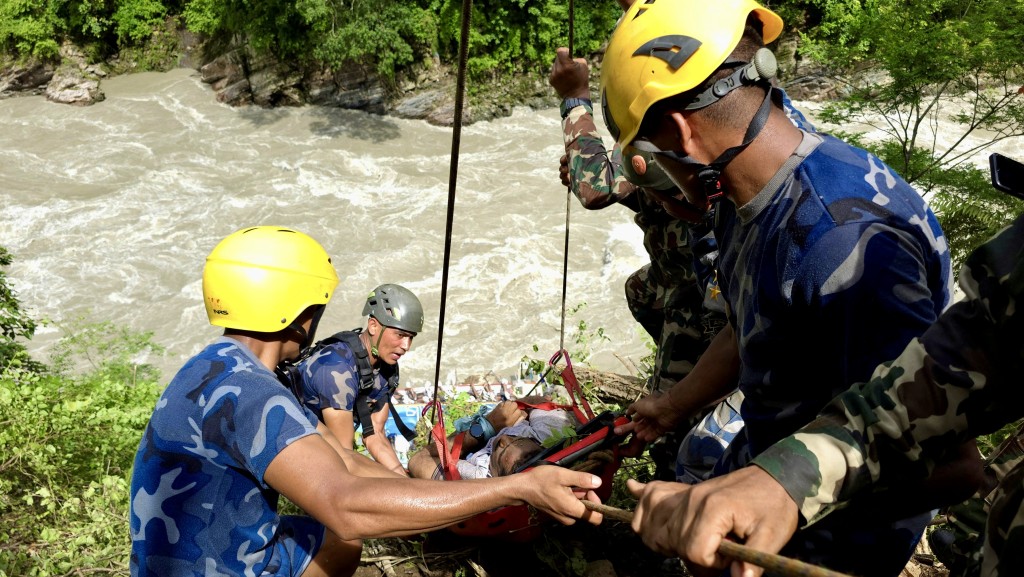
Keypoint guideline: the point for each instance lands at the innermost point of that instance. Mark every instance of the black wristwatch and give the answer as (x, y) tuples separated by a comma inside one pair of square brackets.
[(570, 103), (476, 430)]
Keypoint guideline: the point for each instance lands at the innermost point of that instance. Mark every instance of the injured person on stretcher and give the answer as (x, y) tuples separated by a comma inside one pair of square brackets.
[(500, 442)]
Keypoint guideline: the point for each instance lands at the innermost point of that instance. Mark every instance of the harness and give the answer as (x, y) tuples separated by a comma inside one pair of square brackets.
[(289, 374)]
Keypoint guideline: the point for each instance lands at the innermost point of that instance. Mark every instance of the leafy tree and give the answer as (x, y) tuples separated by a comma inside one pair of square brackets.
[(508, 37), (392, 34), (915, 62), (37, 27), (387, 34)]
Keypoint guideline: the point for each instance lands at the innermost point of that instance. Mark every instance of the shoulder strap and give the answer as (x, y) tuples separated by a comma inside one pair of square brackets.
[(351, 338), (288, 371)]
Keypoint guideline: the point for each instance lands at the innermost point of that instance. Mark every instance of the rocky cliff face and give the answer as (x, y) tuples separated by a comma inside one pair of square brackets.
[(73, 81)]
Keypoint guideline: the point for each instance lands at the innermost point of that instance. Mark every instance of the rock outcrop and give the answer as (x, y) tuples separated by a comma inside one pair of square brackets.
[(240, 77)]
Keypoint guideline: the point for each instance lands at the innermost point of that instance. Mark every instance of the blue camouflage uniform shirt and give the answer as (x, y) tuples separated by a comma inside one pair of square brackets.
[(330, 379), (960, 379), (199, 503), (831, 269)]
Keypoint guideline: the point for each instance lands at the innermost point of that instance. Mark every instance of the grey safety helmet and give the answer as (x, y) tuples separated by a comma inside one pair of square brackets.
[(395, 306)]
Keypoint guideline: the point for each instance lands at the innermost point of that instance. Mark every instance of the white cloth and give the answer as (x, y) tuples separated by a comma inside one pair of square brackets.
[(539, 426)]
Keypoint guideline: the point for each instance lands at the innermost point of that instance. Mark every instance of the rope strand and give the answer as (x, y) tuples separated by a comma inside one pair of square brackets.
[(467, 11), (568, 206)]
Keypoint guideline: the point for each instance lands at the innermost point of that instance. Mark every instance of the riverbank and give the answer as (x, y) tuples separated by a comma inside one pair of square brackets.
[(240, 76)]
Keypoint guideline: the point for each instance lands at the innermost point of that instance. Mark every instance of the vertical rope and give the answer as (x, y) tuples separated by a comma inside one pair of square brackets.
[(453, 172), (568, 203)]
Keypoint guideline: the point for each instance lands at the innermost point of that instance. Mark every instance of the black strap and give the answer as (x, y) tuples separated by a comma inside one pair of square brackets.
[(351, 338), (400, 424), (289, 374)]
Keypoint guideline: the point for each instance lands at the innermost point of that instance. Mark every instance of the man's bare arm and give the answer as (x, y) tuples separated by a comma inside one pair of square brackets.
[(310, 474)]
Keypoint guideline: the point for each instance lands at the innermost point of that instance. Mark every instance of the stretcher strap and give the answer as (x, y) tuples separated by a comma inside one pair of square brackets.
[(449, 461), (572, 386)]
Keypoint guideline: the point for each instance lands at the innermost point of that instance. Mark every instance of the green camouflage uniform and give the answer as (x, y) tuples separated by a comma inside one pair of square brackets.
[(957, 541), (663, 296), (958, 380)]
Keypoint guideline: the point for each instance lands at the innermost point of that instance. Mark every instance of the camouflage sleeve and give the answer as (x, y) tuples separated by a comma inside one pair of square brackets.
[(957, 381), (595, 175)]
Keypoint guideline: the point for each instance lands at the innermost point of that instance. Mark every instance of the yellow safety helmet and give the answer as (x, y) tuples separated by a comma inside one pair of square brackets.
[(262, 278), (662, 48)]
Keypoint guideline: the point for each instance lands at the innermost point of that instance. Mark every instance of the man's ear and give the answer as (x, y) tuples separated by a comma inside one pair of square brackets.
[(372, 326), (684, 132)]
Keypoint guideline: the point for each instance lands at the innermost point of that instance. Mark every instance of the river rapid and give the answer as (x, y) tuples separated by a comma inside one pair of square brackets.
[(110, 210)]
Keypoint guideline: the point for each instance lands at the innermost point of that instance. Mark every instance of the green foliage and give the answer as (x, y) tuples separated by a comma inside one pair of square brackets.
[(929, 60), (989, 443), (135, 21), (109, 351), (29, 28), (37, 28), (14, 324), (68, 444), (584, 336), (970, 210), (508, 37), (388, 34), (564, 558), (392, 35)]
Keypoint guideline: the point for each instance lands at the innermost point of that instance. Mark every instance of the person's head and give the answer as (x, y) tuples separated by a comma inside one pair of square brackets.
[(395, 317), (269, 280), (510, 452), (680, 77)]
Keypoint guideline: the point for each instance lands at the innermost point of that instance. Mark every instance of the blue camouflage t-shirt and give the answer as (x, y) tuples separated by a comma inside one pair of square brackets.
[(199, 503), (830, 270), (330, 379)]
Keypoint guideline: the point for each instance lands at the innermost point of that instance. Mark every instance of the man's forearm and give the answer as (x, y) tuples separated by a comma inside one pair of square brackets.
[(382, 452), (595, 173), (712, 378)]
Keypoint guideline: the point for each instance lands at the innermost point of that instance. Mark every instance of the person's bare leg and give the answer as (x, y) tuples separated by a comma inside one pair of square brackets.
[(336, 558)]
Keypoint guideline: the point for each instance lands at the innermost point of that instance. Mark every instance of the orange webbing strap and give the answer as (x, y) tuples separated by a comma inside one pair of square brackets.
[(449, 461), (572, 386)]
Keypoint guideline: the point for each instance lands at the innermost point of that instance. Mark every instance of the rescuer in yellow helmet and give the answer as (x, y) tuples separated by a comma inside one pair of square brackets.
[(226, 440), (829, 263)]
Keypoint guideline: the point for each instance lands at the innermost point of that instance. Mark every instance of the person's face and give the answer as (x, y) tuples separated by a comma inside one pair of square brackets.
[(393, 342), (509, 452), (667, 135)]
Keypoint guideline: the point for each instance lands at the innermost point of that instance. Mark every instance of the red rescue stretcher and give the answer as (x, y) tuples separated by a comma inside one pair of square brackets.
[(596, 433)]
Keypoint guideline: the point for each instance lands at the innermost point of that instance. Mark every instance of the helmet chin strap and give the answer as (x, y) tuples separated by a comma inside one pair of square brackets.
[(307, 337), (710, 175), (758, 72), (374, 350)]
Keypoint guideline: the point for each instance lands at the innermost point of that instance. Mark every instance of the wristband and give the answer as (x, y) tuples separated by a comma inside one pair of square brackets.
[(570, 103)]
